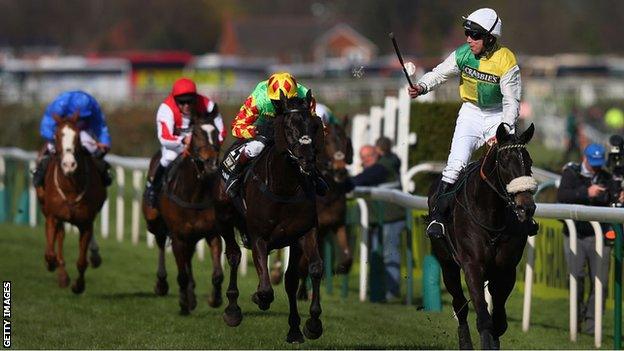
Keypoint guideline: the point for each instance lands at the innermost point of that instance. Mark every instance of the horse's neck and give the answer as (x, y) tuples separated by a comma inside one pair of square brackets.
[(279, 173), (186, 184), (485, 197)]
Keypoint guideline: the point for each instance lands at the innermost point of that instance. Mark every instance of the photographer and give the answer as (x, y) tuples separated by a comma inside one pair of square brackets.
[(587, 184)]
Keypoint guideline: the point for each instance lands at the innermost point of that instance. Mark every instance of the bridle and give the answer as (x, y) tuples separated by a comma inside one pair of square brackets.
[(503, 194), (305, 139)]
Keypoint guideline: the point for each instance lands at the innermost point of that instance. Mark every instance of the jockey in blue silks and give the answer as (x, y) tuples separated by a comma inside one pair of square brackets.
[(94, 135)]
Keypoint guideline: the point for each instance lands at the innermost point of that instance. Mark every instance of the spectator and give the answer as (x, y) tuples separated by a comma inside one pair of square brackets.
[(582, 184), (387, 221)]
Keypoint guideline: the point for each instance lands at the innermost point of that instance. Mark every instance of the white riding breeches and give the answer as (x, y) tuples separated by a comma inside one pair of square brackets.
[(473, 128), (253, 148), (167, 156)]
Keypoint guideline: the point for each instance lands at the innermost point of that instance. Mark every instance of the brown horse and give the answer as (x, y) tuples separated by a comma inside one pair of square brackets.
[(491, 210), (73, 192), (186, 213), (281, 208)]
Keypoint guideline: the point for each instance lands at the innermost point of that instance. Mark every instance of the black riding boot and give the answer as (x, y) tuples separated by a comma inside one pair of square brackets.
[(533, 228), (152, 187), (232, 183), (435, 230), (39, 172), (104, 168)]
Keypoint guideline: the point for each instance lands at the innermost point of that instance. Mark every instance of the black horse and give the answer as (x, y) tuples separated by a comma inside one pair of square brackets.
[(280, 208), (492, 208)]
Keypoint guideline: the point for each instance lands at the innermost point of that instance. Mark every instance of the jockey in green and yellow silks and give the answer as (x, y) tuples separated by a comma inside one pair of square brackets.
[(489, 87), (251, 128)]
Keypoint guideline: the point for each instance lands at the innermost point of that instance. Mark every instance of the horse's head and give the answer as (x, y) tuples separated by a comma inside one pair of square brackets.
[(204, 146), (297, 132), (67, 142), (339, 152), (513, 164)]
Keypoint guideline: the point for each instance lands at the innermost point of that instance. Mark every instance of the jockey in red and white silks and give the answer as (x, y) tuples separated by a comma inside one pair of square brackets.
[(173, 124), (173, 120)]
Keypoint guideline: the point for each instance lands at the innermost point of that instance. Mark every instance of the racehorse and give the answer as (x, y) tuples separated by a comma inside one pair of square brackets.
[(73, 192), (332, 207), (280, 201), (491, 209), (186, 213)]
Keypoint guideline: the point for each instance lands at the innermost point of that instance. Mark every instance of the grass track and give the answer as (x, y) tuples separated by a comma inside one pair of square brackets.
[(119, 310)]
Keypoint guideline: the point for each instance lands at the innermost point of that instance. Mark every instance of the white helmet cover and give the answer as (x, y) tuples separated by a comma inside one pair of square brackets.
[(488, 20)]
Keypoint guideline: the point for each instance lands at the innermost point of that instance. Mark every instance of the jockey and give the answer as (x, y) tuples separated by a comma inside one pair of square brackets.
[(251, 127), (173, 121), (326, 115), (94, 135), (489, 87)]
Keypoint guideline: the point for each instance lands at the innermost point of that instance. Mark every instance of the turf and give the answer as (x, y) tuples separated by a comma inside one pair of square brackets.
[(119, 310)]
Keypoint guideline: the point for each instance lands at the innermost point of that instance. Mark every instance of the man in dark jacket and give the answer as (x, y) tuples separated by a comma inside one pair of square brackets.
[(387, 220), (579, 186)]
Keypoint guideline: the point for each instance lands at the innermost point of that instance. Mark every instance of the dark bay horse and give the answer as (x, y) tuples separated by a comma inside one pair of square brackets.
[(492, 207), (73, 192), (331, 208), (281, 209), (186, 213)]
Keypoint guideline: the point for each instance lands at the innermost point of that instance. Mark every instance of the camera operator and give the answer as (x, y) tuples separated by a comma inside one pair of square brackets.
[(587, 183)]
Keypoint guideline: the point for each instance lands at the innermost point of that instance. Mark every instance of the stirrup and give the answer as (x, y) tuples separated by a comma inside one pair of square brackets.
[(231, 188), (434, 234)]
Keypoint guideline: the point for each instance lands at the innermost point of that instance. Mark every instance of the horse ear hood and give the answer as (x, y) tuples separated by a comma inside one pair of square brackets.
[(501, 134), (527, 135), (309, 97)]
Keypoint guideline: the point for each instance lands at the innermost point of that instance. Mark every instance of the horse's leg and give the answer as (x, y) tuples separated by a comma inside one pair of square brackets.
[(474, 280), (291, 281), (50, 231), (86, 232), (180, 252), (452, 281), (190, 287), (302, 293), (162, 287), (264, 294), (215, 300), (232, 315), (63, 277), (94, 250), (276, 268), (343, 242), (313, 328), (500, 288)]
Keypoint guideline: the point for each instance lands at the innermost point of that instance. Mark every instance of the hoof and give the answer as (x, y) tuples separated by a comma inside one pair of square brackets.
[(465, 342), (51, 264), (233, 316), (263, 300), (215, 301), (162, 287), (78, 287), (184, 311), (294, 336), (313, 329), (95, 259), (63, 281)]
